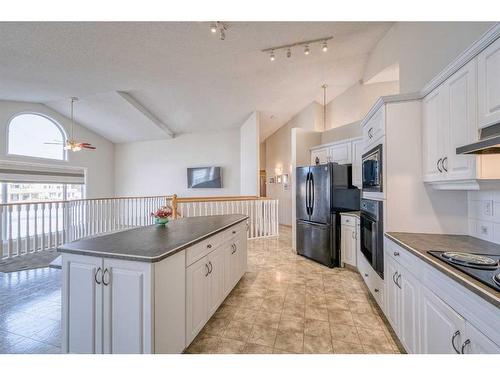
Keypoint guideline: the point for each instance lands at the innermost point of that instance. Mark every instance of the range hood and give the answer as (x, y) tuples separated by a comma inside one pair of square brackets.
[(489, 142)]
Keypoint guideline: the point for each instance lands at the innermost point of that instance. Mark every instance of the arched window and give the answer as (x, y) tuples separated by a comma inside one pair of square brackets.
[(35, 135)]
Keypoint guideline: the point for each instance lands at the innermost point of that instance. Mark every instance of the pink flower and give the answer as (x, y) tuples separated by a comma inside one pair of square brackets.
[(163, 212)]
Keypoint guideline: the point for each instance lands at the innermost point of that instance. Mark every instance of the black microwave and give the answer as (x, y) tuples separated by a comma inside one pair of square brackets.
[(372, 169)]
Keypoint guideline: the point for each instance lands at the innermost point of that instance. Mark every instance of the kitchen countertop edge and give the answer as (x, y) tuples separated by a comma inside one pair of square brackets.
[(139, 258), (458, 276)]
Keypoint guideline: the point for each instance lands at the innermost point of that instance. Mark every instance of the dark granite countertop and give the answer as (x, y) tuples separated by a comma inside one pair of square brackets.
[(153, 243), (419, 243)]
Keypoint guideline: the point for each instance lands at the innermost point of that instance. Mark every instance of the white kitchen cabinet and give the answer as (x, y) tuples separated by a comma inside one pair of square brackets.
[(442, 329), (476, 343), (322, 155), (357, 152), (216, 291), (196, 297), (392, 297), (374, 129), (82, 313), (340, 153), (348, 240), (109, 309), (488, 89), (127, 307)]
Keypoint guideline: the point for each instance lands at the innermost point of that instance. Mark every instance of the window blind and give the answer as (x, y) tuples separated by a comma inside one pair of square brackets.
[(30, 172)]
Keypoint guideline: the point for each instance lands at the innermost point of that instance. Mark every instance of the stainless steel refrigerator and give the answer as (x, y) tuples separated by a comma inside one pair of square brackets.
[(323, 192)]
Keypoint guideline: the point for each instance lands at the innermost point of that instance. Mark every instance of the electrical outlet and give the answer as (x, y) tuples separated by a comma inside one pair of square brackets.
[(488, 208)]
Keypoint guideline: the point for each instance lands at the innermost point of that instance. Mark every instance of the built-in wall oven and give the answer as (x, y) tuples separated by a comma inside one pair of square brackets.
[(372, 169), (372, 233)]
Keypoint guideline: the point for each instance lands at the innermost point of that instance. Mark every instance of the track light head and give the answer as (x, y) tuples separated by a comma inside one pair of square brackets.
[(307, 51), (213, 27), (288, 53), (271, 56), (222, 34), (324, 48)]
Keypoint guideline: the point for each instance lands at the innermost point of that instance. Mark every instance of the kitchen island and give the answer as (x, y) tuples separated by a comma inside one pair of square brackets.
[(149, 289)]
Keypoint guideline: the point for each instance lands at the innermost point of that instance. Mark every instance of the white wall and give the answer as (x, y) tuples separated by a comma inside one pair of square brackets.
[(159, 167), (99, 163), (250, 155), (353, 104), (422, 49), (279, 155)]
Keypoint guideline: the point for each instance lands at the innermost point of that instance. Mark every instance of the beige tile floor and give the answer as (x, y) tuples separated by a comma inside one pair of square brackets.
[(288, 304)]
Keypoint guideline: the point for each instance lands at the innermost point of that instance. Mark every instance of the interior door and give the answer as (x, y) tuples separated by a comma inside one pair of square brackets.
[(127, 307), (320, 193), (441, 329), (82, 304), (302, 193)]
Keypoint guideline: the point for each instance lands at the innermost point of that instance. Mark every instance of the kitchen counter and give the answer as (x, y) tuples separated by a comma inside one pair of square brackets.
[(153, 243), (419, 243), (351, 213)]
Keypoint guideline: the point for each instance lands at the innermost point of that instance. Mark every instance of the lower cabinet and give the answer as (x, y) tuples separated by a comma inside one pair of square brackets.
[(422, 320), (210, 279), (348, 240), (108, 305)]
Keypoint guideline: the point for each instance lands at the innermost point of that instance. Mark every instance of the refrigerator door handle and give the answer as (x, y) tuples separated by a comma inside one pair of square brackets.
[(308, 194), (312, 190)]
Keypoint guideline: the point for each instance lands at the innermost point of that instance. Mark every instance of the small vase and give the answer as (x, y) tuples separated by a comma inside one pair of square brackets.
[(161, 220)]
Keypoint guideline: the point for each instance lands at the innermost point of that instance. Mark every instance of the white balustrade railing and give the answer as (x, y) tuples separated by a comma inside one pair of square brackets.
[(262, 213), (30, 227)]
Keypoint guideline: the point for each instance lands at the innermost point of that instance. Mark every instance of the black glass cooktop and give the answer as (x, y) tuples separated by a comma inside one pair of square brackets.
[(482, 267)]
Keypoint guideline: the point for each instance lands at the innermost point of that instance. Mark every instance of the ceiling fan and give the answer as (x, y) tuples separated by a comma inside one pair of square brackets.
[(72, 144)]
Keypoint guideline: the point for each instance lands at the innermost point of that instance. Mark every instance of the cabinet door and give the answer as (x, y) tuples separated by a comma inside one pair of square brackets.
[(341, 153), (475, 342), (127, 307), (374, 129), (391, 292), (357, 151), (348, 244), (321, 154), (460, 121), (242, 254), (215, 280), (441, 329), (196, 298), (488, 68), (433, 148), (82, 304), (408, 315)]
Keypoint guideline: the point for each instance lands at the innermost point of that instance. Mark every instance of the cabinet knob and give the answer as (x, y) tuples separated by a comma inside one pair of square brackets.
[(396, 253), (209, 246), (366, 275), (234, 232), (375, 290)]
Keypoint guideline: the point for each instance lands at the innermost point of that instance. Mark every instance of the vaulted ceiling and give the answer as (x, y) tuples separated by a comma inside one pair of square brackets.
[(184, 76)]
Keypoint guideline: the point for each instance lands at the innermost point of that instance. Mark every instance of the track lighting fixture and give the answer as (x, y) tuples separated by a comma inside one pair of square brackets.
[(306, 44), (220, 27)]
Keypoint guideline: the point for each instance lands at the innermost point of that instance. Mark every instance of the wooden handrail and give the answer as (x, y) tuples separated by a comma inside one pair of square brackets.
[(219, 199), (167, 197)]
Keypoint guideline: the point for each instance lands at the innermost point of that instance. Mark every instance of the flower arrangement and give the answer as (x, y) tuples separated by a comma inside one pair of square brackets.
[(162, 214)]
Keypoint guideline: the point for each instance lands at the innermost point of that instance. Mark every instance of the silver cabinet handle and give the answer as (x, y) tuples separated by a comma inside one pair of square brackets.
[(208, 270), (397, 281), (352, 235), (396, 253), (457, 333), (439, 169), (95, 275), (104, 277), (394, 277), (445, 159), (211, 267), (234, 248), (464, 345)]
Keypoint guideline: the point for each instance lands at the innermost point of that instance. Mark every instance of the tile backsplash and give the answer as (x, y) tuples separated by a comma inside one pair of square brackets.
[(484, 214)]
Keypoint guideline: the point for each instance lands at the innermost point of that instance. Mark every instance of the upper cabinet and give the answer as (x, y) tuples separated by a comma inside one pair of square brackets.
[(374, 129), (488, 89), (319, 156), (450, 120)]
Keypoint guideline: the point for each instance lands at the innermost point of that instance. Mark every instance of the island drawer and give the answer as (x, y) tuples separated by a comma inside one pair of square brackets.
[(235, 231), (203, 248)]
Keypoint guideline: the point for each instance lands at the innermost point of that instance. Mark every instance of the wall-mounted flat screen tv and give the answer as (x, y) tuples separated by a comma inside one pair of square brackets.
[(204, 178)]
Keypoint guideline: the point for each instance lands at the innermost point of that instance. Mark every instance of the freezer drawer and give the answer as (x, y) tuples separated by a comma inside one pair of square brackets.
[(314, 241)]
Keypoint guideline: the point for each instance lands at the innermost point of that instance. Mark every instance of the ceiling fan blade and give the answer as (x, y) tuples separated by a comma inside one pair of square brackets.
[(53, 143), (89, 147)]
